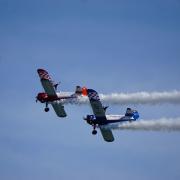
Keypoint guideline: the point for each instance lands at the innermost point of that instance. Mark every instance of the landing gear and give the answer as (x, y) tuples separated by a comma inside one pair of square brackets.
[(94, 132), (46, 109)]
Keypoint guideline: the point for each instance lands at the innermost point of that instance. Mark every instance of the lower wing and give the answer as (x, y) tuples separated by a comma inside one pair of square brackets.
[(107, 134), (59, 109)]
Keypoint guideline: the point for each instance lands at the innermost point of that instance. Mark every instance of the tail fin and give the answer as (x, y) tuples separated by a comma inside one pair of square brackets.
[(132, 113), (81, 90), (78, 90), (129, 112)]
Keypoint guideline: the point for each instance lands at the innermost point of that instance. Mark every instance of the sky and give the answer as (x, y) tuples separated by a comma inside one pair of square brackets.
[(110, 46)]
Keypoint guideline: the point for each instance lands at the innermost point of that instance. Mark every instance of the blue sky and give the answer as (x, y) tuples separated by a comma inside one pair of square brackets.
[(111, 46)]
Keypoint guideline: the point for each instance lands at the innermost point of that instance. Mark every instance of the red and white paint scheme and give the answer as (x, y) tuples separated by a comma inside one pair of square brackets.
[(44, 97), (50, 96)]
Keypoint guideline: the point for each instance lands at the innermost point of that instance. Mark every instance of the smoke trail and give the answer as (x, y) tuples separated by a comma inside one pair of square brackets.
[(142, 98), (163, 124)]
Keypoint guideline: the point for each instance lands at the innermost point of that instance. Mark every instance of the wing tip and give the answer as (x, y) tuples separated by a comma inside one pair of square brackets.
[(109, 140), (91, 90), (40, 70), (43, 74), (62, 116), (93, 95)]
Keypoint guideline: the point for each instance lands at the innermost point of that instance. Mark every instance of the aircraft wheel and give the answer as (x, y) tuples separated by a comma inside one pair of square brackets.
[(94, 132), (46, 109)]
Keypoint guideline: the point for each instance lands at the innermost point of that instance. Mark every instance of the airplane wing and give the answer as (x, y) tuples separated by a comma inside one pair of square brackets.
[(49, 88), (47, 82), (59, 109), (96, 104), (99, 112), (107, 134)]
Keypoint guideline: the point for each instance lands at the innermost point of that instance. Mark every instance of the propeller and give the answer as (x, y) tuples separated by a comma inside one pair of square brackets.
[(36, 99)]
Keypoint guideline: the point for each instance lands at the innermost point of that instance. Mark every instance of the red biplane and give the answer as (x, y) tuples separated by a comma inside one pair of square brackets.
[(50, 96)]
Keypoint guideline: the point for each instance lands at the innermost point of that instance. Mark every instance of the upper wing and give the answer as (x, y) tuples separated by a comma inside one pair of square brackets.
[(46, 82), (99, 112), (96, 104), (107, 134), (49, 88), (59, 109)]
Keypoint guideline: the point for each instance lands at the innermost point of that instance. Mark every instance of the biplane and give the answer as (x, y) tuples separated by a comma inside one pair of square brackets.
[(50, 96), (101, 120)]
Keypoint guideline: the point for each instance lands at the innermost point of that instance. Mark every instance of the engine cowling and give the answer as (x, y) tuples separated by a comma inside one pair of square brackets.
[(42, 97), (90, 119)]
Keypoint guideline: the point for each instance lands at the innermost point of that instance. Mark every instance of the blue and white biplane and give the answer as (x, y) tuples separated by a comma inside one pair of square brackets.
[(100, 120)]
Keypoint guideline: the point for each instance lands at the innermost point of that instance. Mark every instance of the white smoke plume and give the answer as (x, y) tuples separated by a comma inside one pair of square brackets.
[(163, 124), (143, 98), (152, 98)]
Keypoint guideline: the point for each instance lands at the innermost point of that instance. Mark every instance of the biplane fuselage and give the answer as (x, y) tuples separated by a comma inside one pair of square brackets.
[(44, 97), (91, 119)]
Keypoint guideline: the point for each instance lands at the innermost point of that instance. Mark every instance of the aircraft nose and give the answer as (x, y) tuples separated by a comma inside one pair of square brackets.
[(39, 97)]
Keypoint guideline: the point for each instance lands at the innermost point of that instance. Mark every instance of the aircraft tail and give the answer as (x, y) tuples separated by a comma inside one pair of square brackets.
[(81, 90), (132, 113)]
